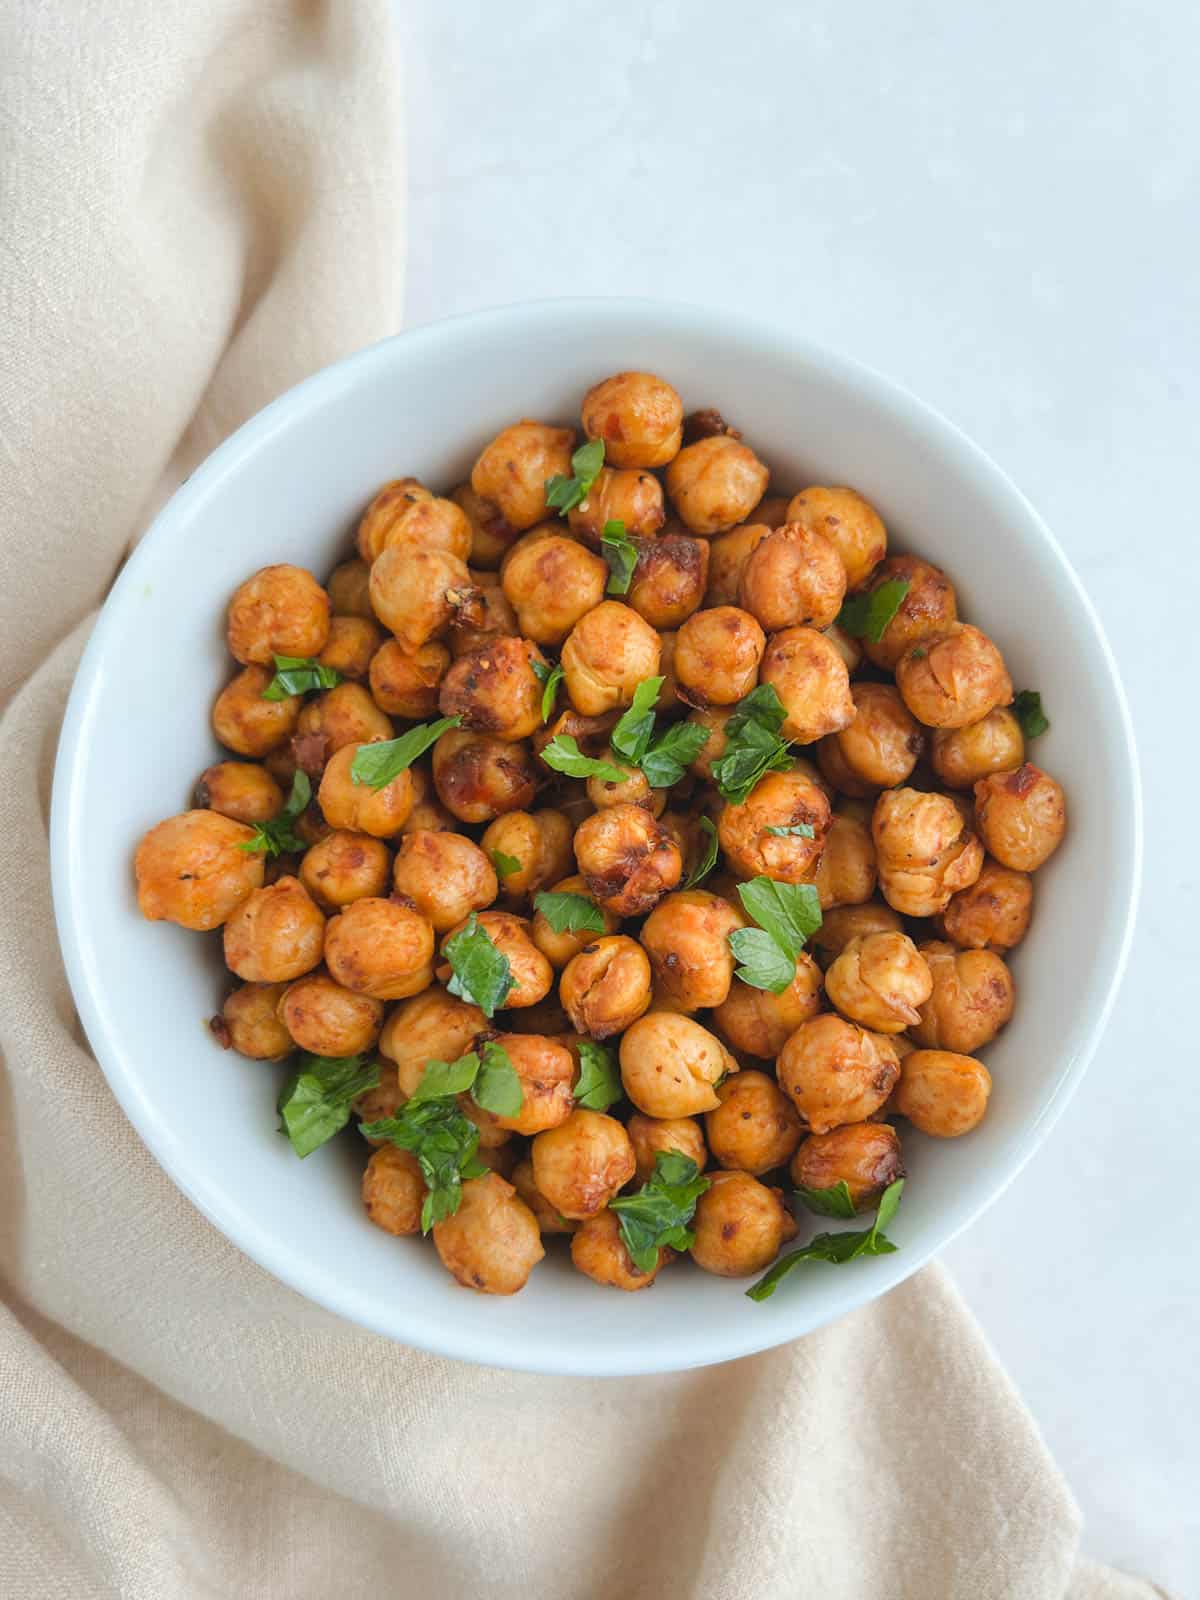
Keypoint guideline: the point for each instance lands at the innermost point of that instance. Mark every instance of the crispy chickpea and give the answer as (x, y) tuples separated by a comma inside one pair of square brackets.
[(582, 1164), (670, 1065), (878, 749), (780, 800), (606, 986), (669, 580), (639, 417), (668, 694), (651, 1136), (628, 860), (606, 655), (548, 1219), (716, 483), (850, 523), (925, 853), (727, 558), (1022, 816), (445, 877), (929, 606), (546, 1070), (551, 583), (971, 998), (533, 976), (191, 870), (249, 1023), (756, 1127), (880, 982), (759, 1023), (281, 610), (954, 677), (351, 645), (846, 873), (493, 619), (793, 578), (478, 777), (840, 924), (343, 867), (740, 1225), (393, 1190), (380, 948), (540, 843), (994, 910), (512, 470), (433, 524), (349, 590), (357, 807), (492, 1242), (811, 680), (837, 1072), (345, 715), (686, 937), (634, 790), (418, 593), (560, 948), (598, 1251), (864, 1156), (328, 1020), (942, 1093), (428, 815), (717, 656), (961, 756), (432, 1026), (275, 934), (239, 789), (406, 684), (849, 649), (391, 502), (491, 535), (495, 690), (633, 498), (246, 723)]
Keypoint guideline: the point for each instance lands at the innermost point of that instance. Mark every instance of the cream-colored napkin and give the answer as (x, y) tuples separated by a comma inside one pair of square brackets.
[(201, 203)]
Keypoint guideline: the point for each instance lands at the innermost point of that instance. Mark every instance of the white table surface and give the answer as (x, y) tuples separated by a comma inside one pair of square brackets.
[(998, 207)]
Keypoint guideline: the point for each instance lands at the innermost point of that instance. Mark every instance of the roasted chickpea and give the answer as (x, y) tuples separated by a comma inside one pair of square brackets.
[(756, 1127), (343, 867), (865, 1157), (928, 607), (560, 948), (349, 590), (391, 502), (849, 649), (811, 680), (925, 854), (846, 873), (652, 1136), (275, 934), (432, 524), (246, 723), (249, 1023), (241, 790), (405, 684), (495, 690), (878, 749), (606, 986), (668, 694), (670, 1065), (351, 644), (445, 876), (380, 948), (759, 1023), (539, 842), (418, 593), (639, 417), (880, 982), (840, 924), (793, 578), (716, 483), (850, 523), (686, 937), (492, 619), (548, 1219), (192, 870), (633, 790), (512, 470), (1022, 816), (281, 610), (598, 1250), (727, 558), (328, 1020), (491, 535), (941, 1093), (492, 1242), (532, 974), (344, 715), (606, 655), (546, 1070), (628, 860), (432, 1026), (478, 776), (971, 999), (356, 806), (632, 498), (551, 582), (393, 1190), (717, 656), (837, 1072), (428, 815), (994, 910), (669, 579), (780, 800), (961, 756), (740, 1225), (582, 1164), (953, 677)]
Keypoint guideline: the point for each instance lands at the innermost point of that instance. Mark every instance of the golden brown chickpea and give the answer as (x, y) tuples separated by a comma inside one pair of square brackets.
[(406, 684), (628, 860), (433, 524), (478, 777), (954, 677), (343, 867), (686, 937), (633, 498), (780, 800), (491, 535), (241, 790), (548, 1219), (606, 986), (351, 644), (512, 470), (756, 1127), (669, 580), (249, 1023), (850, 523), (639, 417), (971, 999), (714, 719), (670, 1065), (418, 593), (496, 619), (192, 870), (716, 483), (432, 1026), (865, 1157), (929, 606), (668, 694), (328, 1020), (533, 976), (582, 1164), (793, 578), (393, 1190), (444, 876), (740, 1225), (728, 555), (717, 656), (501, 1158), (606, 655), (598, 1251), (246, 723), (356, 806), (840, 924), (880, 982), (345, 715), (846, 873), (428, 815), (773, 510), (925, 854), (811, 680), (878, 749), (651, 1136), (1022, 816), (941, 1093), (849, 649), (552, 582), (392, 501), (380, 948), (635, 790), (492, 1242), (559, 948), (837, 1072), (349, 590), (547, 1071), (540, 844), (995, 910), (495, 690), (759, 1023), (961, 756), (281, 610), (275, 934)]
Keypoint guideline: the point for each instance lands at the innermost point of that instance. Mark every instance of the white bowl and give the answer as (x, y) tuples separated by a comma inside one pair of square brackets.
[(289, 486)]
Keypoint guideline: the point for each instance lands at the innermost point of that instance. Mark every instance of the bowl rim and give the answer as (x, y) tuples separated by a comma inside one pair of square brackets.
[(467, 1338)]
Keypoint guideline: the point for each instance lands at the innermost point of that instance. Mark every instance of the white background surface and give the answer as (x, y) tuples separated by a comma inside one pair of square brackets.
[(999, 207)]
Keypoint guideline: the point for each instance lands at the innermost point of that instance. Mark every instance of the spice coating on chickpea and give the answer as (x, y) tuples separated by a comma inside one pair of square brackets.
[(546, 1070), (491, 533), (393, 1190), (717, 656), (380, 948), (532, 974), (478, 777), (670, 1065), (357, 807), (405, 683), (756, 1127), (942, 1093), (548, 1219), (847, 872), (246, 723), (249, 1023), (715, 483), (878, 749), (559, 948), (344, 715), (686, 937), (275, 934), (582, 1164), (351, 646), (1022, 816), (850, 523), (994, 910), (837, 1072), (924, 853), (345, 866), (780, 800), (551, 583), (811, 680), (492, 1242), (740, 1225), (651, 1136), (961, 756), (281, 610), (628, 860), (864, 1156), (971, 998), (239, 789), (445, 876), (881, 982), (953, 677), (728, 554), (639, 417), (432, 1026), (495, 689), (512, 470), (191, 870), (433, 524), (328, 1020), (635, 499), (606, 987), (758, 1023), (417, 593), (793, 578), (840, 924), (389, 503), (669, 580), (598, 1251), (349, 589), (606, 655), (490, 617)]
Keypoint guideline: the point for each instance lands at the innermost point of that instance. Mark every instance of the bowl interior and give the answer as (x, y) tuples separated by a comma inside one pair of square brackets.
[(290, 486)]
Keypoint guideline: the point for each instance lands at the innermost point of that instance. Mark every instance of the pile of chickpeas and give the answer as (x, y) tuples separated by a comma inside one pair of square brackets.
[(909, 773)]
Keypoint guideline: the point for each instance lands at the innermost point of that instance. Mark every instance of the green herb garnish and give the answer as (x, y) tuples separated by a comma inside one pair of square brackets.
[(569, 913), (866, 616), (299, 674), (442, 1078), (489, 1075), (709, 859), (663, 759), (564, 494), (832, 1202), (481, 972), (659, 1213), (787, 914), (836, 1247), (1027, 708), (444, 1142), (314, 1103), (550, 678), (753, 744), (621, 553), (505, 865), (377, 764), (632, 735), (277, 836), (797, 830), (564, 755), (599, 1084)]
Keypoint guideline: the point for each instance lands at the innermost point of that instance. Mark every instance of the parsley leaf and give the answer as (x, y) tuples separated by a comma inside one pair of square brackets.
[(753, 746), (599, 1084), (796, 830), (564, 755), (787, 915), (550, 678), (709, 859), (442, 1078), (444, 1142), (659, 1213), (277, 836), (866, 616), (498, 1086), (569, 913), (564, 494), (672, 753), (632, 735), (481, 973), (299, 674), (761, 962), (762, 706), (621, 553), (1027, 708), (832, 1202), (505, 865), (377, 764), (314, 1103), (836, 1247)]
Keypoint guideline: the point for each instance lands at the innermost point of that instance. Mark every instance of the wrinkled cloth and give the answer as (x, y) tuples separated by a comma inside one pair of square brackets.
[(201, 204)]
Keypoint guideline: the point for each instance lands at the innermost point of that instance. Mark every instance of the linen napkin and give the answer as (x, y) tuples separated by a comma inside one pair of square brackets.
[(201, 204)]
